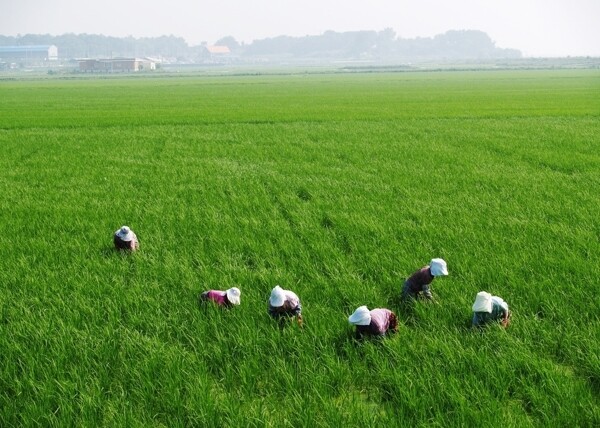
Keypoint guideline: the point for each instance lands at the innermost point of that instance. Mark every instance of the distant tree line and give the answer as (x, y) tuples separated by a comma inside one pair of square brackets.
[(383, 44), (376, 45)]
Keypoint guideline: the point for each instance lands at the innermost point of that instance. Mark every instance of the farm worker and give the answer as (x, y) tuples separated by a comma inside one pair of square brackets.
[(285, 303), (418, 283), (373, 323), (226, 298), (488, 308), (125, 239)]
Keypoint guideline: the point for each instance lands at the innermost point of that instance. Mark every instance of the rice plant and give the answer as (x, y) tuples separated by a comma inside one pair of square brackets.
[(334, 186)]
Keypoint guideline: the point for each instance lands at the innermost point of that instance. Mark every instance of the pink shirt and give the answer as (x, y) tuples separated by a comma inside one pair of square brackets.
[(217, 296), (380, 320)]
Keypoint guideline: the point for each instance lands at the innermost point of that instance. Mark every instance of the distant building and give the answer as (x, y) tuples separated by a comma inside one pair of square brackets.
[(216, 53), (218, 50), (29, 55), (116, 65)]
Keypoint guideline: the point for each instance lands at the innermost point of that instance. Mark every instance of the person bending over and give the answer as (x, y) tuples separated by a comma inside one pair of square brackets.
[(284, 304), (227, 298), (419, 283), (377, 322), (125, 239), (488, 309)]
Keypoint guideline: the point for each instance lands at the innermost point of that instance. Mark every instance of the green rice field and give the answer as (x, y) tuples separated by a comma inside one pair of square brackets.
[(336, 186)]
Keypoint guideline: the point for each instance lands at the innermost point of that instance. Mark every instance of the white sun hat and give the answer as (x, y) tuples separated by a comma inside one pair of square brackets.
[(438, 267), (483, 302), (277, 297), (500, 301), (125, 234), (233, 295), (361, 316)]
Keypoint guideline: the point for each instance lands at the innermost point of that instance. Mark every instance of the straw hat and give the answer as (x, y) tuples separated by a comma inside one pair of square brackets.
[(483, 302), (438, 267), (277, 297), (125, 234), (233, 295), (361, 316)]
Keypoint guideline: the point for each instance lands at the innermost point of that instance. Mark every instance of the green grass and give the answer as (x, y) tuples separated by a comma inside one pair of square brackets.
[(335, 186)]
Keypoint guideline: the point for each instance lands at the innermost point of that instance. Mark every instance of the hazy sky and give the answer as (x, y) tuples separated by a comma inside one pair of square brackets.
[(536, 27)]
